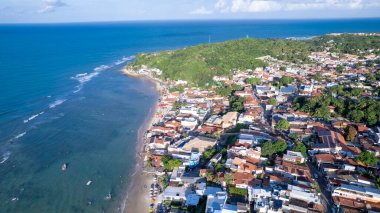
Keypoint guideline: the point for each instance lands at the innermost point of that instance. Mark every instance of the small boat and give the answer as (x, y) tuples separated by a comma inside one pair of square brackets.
[(64, 167), (88, 183)]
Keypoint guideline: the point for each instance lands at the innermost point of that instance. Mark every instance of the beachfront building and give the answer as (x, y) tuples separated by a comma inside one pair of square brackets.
[(177, 194)]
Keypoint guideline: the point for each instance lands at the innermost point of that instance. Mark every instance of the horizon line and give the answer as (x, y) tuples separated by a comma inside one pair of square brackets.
[(188, 20)]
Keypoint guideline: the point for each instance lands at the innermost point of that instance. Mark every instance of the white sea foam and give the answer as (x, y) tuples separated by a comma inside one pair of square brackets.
[(57, 103), (78, 88), (101, 68), (18, 136), (33, 117), (82, 78), (5, 157), (124, 59)]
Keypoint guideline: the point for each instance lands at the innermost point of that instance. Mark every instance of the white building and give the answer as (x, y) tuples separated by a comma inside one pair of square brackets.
[(189, 109), (357, 192), (295, 157), (216, 202), (189, 123)]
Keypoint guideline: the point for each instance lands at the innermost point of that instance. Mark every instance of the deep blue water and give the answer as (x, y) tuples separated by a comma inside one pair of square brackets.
[(56, 107)]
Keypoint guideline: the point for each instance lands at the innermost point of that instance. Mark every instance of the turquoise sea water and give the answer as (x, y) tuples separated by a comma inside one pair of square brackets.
[(63, 100)]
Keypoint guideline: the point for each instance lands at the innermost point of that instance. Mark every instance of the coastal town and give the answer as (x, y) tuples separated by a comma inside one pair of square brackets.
[(286, 137)]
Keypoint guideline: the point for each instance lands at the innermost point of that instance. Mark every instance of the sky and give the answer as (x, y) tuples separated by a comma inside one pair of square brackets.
[(48, 11)]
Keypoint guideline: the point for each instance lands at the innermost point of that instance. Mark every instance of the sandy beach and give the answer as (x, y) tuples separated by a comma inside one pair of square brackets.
[(139, 187)]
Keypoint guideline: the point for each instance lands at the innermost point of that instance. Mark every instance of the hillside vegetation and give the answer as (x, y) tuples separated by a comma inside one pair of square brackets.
[(198, 64)]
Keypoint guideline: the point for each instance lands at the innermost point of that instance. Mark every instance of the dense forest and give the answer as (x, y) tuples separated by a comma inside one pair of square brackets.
[(198, 64)]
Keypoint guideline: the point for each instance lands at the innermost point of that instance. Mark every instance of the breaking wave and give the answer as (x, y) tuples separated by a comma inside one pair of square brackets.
[(57, 103), (5, 157), (124, 59), (17, 136), (83, 78), (33, 117), (101, 68)]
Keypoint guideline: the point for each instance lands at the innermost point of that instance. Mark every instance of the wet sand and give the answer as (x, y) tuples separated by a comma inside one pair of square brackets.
[(138, 192)]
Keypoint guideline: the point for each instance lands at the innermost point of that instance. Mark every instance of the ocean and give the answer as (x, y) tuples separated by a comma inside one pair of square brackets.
[(64, 100)]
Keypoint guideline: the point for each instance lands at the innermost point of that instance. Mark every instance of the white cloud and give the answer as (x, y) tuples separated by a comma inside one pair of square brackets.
[(222, 6), (263, 6), (201, 11), (256, 6), (51, 6)]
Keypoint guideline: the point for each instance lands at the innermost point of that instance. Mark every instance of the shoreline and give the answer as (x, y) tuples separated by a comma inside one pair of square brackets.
[(137, 195)]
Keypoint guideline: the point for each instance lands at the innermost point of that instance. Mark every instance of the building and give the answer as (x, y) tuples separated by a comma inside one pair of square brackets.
[(295, 157), (229, 120), (176, 194), (357, 193), (329, 141), (216, 202), (199, 144)]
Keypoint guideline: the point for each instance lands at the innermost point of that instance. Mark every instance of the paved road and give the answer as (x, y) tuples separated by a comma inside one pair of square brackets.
[(325, 195)]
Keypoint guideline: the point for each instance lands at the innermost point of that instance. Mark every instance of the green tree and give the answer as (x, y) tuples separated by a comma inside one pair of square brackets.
[(339, 69), (207, 155), (229, 177), (177, 88), (356, 115), (236, 87), (285, 80), (272, 101), (210, 176), (370, 77), (223, 91), (356, 91), (237, 103), (219, 167), (279, 146), (317, 77), (165, 181), (177, 105), (322, 112), (368, 158), (295, 137), (371, 118), (170, 163), (282, 125), (267, 149), (253, 81), (300, 147)]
